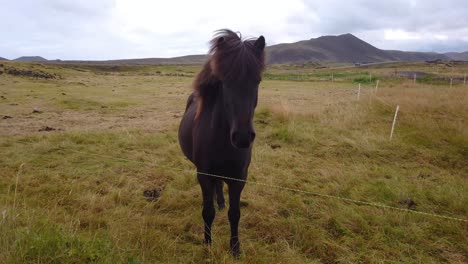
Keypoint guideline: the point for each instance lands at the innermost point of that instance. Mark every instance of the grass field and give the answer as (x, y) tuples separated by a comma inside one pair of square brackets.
[(73, 172)]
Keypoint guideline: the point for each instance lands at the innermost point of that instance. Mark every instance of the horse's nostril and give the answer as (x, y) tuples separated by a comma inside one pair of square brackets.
[(252, 136), (241, 139)]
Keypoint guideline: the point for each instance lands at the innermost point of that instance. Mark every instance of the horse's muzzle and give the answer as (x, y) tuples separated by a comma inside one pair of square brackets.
[(242, 140)]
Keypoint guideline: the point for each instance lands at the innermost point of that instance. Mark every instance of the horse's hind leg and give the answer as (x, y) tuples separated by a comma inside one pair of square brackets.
[(235, 190), (220, 195), (208, 213)]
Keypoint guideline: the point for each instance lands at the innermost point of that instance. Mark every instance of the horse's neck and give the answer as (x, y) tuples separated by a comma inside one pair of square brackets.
[(210, 90), (213, 109), (218, 117)]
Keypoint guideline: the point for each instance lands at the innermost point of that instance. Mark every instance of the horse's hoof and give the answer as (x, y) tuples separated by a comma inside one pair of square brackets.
[(236, 253), (235, 249), (207, 242)]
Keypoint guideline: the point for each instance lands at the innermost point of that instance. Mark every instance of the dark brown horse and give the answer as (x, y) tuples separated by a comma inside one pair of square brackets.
[(216, 131)]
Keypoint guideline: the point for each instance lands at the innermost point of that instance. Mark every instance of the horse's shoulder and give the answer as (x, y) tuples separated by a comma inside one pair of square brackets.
[(192, 99)]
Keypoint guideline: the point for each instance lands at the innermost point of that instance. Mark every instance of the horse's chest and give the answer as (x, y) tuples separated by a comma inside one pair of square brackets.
[(212, 148), (220, 154)]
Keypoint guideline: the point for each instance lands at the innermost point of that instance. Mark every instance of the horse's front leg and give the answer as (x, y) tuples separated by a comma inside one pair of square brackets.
[(208, 187), (235, 189), (220, 194)]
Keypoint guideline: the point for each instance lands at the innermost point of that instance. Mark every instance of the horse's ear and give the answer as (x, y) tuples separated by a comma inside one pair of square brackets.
[(260, 43), (220, 41)]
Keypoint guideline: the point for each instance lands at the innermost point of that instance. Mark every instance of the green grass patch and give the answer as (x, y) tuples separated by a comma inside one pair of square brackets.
[(45, 242), (88, 104), (365, 80), (314, 76), (282, 134), (433, 80), (80, 104), (343, 75)]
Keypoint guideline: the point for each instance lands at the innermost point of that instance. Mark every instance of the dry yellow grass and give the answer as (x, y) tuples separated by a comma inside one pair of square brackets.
[(79, 196)]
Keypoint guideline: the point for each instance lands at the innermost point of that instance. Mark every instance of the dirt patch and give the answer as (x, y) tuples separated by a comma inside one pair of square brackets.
[(243, 204), (423, 175), (275, 146), (153, 195), (31, 73), (409, 203), (410, 74), (141, 118), (46, 129)]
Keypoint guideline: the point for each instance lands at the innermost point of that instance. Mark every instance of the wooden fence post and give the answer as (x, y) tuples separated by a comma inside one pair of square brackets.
[(359, 92), (394, 121), (376, 87)]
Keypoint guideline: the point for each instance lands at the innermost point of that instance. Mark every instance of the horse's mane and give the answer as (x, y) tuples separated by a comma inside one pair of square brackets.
[(231, 59)]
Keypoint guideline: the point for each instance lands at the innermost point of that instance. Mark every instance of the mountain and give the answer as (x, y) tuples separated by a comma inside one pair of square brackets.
[(342, 48), (31, 58), (399, 55), (3, 59), (463, 56), (190, 59)]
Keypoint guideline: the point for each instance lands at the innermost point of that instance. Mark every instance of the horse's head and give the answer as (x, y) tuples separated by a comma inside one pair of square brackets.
[(238, 66)]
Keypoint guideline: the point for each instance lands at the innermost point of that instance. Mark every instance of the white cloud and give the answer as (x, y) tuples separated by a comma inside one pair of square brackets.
[(441, 37), (391, 34), (138, 20), (112, 29)]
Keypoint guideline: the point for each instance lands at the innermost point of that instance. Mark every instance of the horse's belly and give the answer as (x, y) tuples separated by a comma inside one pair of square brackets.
[(185, 132)]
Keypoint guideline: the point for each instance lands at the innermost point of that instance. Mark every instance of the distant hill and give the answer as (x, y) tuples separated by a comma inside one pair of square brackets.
[(399, 55), (190, 59), (342, 48), (3, 59), (463, 56), (31, 58)]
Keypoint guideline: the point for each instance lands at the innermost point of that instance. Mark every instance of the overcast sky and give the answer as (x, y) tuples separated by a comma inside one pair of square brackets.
[(117, 29)]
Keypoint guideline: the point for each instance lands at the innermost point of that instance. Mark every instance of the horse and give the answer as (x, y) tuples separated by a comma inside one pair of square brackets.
[(216, 132)]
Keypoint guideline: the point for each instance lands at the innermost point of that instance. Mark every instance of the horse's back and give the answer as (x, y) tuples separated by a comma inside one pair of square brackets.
[(186, 126)]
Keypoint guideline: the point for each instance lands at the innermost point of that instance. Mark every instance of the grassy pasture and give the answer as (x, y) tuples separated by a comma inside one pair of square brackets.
[(75, 194)]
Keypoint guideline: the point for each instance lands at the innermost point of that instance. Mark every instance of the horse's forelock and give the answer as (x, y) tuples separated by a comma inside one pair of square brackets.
[(234, 59)]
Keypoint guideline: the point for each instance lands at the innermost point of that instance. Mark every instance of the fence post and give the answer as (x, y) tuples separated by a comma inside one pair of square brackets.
[(394, 121), (451, 80), (332, 81), (464, 80), (414, 78), (359, 92), (376, 87)]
